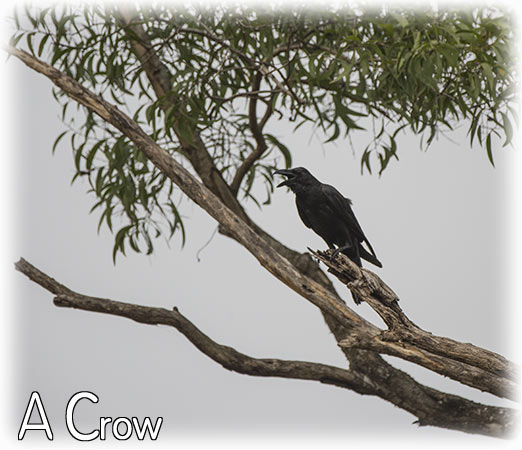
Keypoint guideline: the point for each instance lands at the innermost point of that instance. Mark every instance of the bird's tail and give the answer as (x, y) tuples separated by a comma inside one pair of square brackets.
[(366, 255)]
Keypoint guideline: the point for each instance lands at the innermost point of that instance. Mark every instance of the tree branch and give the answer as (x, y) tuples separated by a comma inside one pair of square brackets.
[(228, 357), (466, 363), (451, 411), (159, 77), (257, 131)]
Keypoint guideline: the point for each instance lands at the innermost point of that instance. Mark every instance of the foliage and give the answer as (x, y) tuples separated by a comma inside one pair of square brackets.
[(340, 69)]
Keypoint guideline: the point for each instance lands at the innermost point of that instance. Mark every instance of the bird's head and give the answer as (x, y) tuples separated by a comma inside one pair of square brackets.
[(296, 178)]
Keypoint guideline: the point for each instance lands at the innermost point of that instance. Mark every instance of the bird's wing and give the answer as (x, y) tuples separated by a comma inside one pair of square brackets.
[(343, 207), (303, 214)]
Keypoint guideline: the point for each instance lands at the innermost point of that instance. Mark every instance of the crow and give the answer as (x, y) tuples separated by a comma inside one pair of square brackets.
[(326, 211)]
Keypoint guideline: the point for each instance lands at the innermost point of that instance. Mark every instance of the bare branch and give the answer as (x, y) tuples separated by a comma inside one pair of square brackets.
[(228, 357), (466, 363)]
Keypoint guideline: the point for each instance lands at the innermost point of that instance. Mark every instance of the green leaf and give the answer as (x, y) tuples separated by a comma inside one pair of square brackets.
[(185, 131), (119, 242), (77, 157), (92, 154), (15, 38), (177, 222), (99, 181), (282, 148), (57, 140), (488, 148), (42, 44), (489, 75), (347, 70), (365, 160), (335, 134), (29, 39), (508, 129)]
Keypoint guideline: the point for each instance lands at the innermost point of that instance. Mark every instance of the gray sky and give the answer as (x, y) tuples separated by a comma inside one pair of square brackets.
[(437, 220)]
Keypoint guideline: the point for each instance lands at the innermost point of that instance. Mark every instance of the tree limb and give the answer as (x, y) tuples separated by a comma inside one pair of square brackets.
[(228, 357), (445, 410), (159, 77), (466, 363), (257, 131)]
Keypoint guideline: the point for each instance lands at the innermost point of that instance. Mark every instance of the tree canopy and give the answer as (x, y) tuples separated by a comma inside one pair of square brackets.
[(225, 76)]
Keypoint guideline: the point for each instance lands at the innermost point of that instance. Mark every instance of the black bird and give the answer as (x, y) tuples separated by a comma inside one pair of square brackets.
[(326, 211)]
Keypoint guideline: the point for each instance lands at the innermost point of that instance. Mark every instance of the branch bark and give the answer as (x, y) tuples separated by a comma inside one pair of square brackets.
[(228, 357), (448, 411)]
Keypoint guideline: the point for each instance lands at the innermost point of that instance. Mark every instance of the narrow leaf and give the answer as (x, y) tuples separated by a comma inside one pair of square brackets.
[(488, 148)]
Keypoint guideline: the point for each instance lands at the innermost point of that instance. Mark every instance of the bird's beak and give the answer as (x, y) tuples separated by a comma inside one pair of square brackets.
[(286, 173)]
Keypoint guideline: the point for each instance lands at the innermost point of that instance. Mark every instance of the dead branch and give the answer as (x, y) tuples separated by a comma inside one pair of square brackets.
[(466, 363)]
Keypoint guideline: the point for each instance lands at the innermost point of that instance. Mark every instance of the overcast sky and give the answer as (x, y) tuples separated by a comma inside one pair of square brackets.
[(439, 221)]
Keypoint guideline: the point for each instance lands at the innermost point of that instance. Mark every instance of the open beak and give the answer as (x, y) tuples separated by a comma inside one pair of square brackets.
[(286, 173)]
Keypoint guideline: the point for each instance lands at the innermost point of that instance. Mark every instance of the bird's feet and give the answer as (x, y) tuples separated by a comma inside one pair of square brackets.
[(334, 254), (339, 250)]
